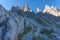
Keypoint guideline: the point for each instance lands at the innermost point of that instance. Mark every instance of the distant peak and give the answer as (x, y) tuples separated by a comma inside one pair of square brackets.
[(25, 8), (48, 8), (38, 10), (52, 10), (31, 11), (53, 6)]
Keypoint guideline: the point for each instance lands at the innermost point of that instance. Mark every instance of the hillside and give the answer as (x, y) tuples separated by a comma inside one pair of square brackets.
[(21, 23)]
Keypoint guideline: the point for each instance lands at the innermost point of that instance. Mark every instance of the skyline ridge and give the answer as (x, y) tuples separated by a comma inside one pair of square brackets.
[(33, 4), (27, 6)]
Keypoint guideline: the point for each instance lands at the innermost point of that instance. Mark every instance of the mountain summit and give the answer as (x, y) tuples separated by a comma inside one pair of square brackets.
[(52, 10), (25, 8)]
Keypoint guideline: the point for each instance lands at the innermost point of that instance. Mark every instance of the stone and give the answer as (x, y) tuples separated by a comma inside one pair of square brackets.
[(25, 8)]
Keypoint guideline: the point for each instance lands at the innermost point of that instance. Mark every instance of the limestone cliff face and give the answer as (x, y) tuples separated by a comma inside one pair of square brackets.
[(25, 8), (21, 23), (52, 10)]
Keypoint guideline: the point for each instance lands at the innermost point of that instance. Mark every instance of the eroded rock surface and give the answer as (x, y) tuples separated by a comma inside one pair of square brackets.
[(23, 24)]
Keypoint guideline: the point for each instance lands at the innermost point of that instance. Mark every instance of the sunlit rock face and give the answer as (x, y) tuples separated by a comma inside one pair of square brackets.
[(25, 8), (52, 10), (21, 23)]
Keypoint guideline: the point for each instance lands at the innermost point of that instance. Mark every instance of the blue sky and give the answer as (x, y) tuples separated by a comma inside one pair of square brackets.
[(33, 4)]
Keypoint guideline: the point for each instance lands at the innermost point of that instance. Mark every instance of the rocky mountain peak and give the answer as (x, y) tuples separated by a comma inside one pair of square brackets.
[(25, 8), (38, 10), (54, 7), (48, 8), (52, 10), (31, 11), (15, 8)]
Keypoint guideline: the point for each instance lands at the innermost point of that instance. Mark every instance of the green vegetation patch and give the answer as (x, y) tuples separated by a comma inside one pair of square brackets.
[(37, 38), (26, 30), (48, 33), (39, 21)]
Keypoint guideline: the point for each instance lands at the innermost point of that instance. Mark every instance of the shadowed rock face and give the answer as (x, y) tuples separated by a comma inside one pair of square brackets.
[(3, 21), (10, 26), (20, 23)]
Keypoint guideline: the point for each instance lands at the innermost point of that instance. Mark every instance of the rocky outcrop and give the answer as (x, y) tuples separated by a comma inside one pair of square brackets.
[(25, 8), (15, 27), (38, 10), (10, 26), (52, 10)]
